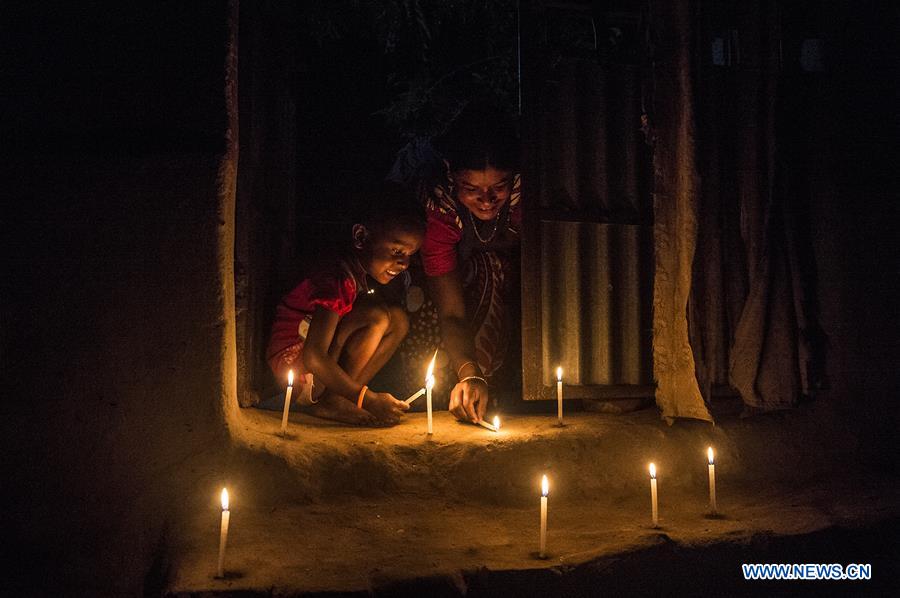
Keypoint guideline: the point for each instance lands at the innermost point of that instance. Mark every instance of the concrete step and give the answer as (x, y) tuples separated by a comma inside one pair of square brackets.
[(391, 512)]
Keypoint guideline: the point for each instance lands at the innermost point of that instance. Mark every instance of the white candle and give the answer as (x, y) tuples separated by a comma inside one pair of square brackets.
[(287, 402), (654, 507), (493, 428), (223, 532), (429, 385), (559, 395), (712, 480), (415, 396), (544, 492)]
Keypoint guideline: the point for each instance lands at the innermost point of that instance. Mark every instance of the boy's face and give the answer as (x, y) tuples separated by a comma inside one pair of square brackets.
[(387, 253)]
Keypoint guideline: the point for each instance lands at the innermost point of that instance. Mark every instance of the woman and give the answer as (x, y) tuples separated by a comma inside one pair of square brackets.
[(471, 253)]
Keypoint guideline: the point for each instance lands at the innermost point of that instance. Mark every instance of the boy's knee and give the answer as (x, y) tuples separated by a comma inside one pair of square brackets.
[(399, 320), (378, 316)]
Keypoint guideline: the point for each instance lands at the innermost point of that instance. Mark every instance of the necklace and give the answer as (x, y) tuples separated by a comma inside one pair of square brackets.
[(475, 227)]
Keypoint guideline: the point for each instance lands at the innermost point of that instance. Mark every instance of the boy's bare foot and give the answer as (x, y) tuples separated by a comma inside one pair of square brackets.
[(340, 409), (385, 407)]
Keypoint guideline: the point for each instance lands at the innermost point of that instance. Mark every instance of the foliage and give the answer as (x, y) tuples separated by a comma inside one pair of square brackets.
[(441, 55)]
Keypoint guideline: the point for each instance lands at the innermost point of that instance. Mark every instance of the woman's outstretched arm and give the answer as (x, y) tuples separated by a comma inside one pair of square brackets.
[(469, 399)]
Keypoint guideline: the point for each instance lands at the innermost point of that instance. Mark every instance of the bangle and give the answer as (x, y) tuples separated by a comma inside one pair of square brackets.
[(474, 378), (362, 395), (464, 365)]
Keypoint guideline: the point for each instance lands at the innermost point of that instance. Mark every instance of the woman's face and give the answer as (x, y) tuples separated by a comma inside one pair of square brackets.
[(483, 192)]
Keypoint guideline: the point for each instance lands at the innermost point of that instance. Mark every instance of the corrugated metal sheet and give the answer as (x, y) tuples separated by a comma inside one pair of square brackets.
[(596, 317), (593, 158), (589, 247)]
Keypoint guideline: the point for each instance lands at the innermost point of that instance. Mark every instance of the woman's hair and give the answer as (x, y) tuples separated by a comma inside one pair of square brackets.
[(394, 208), (481, 136)]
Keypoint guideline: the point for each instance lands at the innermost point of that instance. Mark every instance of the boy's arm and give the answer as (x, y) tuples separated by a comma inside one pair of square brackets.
[(319, 362)]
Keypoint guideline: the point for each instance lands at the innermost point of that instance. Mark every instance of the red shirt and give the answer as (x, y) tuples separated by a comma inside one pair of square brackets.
[(334, 289)]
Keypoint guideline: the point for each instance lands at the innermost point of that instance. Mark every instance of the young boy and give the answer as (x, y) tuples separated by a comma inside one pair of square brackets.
[(331, 326)]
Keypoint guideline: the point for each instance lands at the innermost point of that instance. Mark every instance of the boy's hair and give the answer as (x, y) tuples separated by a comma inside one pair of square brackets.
[(394, 208), (481, 136)]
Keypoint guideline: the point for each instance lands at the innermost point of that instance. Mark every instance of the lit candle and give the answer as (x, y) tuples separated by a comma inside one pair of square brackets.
[(559, 395), (712, 480), (653, 504), (545, 490), (287, 402), (223, 532), (493, 428), (429, 385)]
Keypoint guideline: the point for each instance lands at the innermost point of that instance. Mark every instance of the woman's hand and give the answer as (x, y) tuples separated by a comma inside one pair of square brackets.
[(384, 406), (469, 400)]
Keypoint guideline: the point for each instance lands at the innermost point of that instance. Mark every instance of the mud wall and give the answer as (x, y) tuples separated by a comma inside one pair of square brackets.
[(117, 287)]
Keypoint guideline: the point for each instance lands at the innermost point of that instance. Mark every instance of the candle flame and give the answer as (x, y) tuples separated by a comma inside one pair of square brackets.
[(545, 486), (709, 455), (497, 422), (224, 499), (559, 374), (290, 377), (430, 372), (652, 471)]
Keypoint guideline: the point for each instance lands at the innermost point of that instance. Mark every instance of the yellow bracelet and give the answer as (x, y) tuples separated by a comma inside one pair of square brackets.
[(362, 395)]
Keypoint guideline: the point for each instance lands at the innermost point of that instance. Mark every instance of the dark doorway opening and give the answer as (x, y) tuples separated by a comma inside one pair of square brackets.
[(329, 94)]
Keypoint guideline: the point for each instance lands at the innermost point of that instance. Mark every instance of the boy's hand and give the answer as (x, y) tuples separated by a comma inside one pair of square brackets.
[(469, 400), (384, 406)]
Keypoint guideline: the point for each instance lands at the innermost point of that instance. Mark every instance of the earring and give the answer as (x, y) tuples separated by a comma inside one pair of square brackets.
[(359, 236)]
